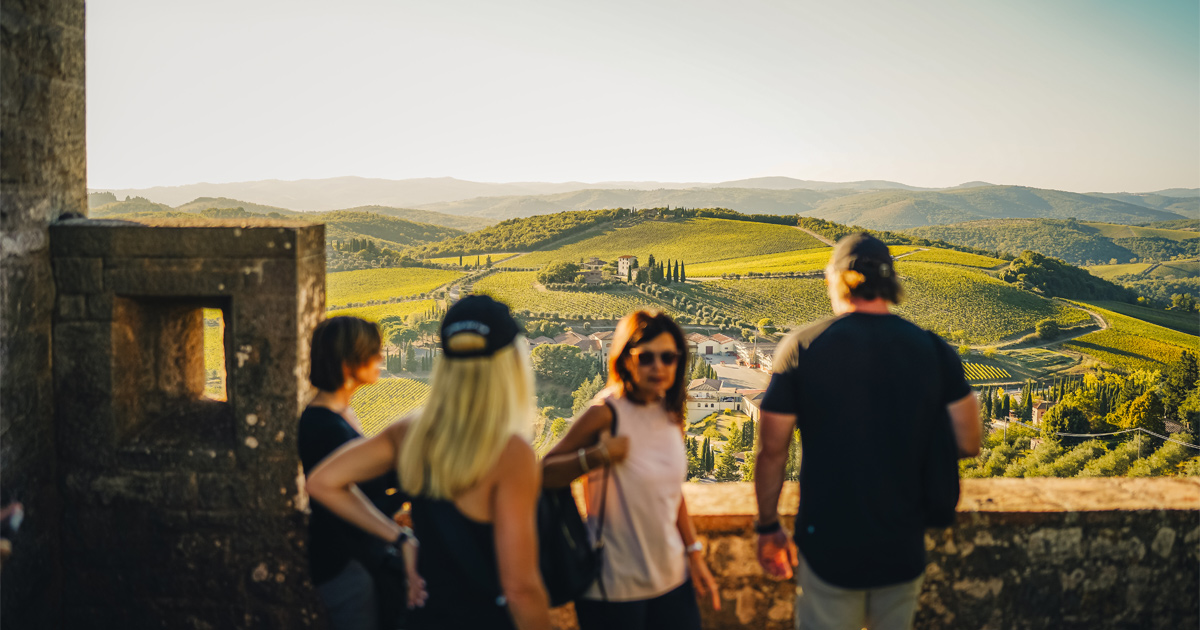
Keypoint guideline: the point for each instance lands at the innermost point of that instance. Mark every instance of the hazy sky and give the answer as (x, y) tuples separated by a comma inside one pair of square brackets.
[(1073, 95)]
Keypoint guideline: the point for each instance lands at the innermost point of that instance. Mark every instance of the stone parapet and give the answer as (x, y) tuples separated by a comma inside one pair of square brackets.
[(183, 511), (1024, 553)]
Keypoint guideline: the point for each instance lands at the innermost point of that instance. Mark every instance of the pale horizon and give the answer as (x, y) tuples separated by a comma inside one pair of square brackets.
[(1081, 97)]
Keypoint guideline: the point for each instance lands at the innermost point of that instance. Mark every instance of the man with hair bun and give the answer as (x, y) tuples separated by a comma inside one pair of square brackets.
[(882, 407)]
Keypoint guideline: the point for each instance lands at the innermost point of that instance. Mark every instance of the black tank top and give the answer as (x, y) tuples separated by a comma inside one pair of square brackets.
[(457, 560)]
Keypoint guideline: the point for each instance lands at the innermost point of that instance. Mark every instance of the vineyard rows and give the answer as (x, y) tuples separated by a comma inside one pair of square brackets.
[(351, 287), (981, 372), (937, 297), (952, 257), (470, 259), (385, 402), (380, 311), (693, 241), (516, 289), (1133, 344), (1092, 458)]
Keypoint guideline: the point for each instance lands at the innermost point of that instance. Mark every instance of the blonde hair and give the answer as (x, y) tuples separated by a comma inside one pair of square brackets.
[(475, 405)]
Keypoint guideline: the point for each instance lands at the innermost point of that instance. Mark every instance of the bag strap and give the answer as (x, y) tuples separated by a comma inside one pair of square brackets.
[(603, 505)]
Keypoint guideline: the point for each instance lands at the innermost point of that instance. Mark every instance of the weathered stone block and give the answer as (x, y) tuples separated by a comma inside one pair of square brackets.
[(72, 307), (79, 275)]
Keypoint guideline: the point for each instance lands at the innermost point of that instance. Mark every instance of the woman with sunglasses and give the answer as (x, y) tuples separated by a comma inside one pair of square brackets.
[(652, 563)]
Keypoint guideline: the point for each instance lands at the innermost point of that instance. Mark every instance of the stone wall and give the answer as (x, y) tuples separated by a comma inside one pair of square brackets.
[(182, 511), (42, 175), (1025, 553)]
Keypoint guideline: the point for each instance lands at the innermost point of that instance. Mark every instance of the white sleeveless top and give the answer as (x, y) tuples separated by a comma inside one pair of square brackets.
[(643, 550)]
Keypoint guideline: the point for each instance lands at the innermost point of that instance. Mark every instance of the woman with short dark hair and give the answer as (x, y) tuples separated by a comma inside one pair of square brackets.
[(345, 355), (650, 545), (472, 476)]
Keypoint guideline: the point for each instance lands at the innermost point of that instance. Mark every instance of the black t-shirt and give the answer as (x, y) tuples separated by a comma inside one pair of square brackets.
[(868, 392), (332, 542)]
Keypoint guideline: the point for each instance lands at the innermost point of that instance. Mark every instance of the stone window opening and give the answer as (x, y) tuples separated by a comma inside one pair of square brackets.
[(169, 371), (215, 372)]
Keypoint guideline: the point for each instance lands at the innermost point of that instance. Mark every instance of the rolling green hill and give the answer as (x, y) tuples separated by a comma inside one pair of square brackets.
[(466, 224), (204, 203), (940, 297), (747, 200), (1072, 241), (128, 206), (694, 240), (1133, 344), (902, 209), (398, 234)]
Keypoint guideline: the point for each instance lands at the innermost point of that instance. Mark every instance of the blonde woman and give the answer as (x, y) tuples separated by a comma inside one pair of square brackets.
[(474, 479)]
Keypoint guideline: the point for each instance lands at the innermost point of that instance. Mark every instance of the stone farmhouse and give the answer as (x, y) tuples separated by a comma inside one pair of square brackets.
[(624, 264)]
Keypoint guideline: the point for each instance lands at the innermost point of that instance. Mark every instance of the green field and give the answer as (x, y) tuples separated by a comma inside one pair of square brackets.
[(515, 288), (939, 297), (214, 354), (1133, 344), (1113, 230), (801, 261), (385, 402), (984, 372), (949, 256), (693, 241), (469, 259), (379, 311), (1108, 272), (1175, 320), (1038, 359), (347, 287), (1176, 269)]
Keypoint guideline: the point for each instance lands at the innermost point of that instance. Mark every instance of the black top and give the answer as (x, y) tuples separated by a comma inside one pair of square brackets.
[(332, 542), (458, 563), (869, 393)]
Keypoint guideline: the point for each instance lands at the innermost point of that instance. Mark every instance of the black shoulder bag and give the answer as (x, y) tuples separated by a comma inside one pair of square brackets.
[(570, 563), (939, 474)]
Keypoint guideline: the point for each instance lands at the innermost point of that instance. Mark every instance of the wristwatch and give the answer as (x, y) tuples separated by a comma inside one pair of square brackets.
[(696, 546)]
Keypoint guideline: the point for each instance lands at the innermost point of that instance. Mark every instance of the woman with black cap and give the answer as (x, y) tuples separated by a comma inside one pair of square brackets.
[(475, 480)]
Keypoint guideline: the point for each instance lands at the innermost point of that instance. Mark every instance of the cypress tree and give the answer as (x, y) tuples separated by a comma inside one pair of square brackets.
[(676, 276), (682, 273)]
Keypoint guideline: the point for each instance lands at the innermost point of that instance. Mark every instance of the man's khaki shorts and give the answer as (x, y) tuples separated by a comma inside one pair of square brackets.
[(823, 606)]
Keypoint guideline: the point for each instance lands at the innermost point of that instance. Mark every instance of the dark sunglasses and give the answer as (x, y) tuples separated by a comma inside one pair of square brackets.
[(647, 358)]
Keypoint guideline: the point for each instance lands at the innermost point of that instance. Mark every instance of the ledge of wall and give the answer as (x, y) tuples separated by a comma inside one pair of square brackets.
[(1025, 553)]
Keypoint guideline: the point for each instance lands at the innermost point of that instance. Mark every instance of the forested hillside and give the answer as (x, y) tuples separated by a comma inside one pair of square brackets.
[(901, 209), (1073, 241), (521, 234)]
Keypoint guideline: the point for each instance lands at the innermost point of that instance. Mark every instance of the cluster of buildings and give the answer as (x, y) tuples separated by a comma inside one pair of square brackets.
[(753, 354), (707, 396)]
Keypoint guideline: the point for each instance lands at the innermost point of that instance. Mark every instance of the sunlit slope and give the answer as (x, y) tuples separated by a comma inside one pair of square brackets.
[(376, 312), (1133, 344), (1113, 230), (517, 289), (693, 241), (347, 287), (940, 297), (1175, 320), (385, 402)]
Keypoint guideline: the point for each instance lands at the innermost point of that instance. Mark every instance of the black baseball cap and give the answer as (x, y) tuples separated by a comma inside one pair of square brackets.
[(477, 326), (863, 253)]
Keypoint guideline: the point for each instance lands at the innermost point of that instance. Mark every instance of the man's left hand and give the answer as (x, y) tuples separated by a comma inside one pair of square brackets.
[(702, 578)]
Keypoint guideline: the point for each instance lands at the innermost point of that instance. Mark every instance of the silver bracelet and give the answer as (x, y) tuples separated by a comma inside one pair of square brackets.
[(582, 453)]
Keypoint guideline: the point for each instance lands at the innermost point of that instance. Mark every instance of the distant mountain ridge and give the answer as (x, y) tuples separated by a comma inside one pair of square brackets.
[(871, 203), (201, 204)]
